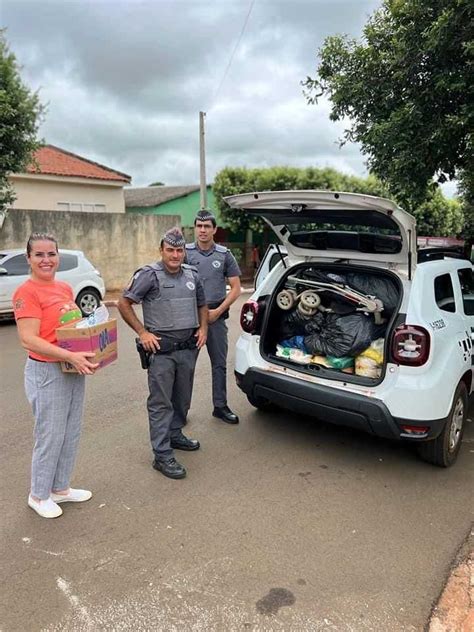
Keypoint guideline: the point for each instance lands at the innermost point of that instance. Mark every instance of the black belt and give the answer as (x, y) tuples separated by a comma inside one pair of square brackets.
[(36, 359), (167, 344)]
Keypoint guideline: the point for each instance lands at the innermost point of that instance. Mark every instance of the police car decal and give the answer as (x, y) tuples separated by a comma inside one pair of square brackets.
[(190, 285), (438, 324), (467, 348), (216, 264)]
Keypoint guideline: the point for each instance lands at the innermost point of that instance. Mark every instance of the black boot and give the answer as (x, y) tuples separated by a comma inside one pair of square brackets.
[(225, 414), (170, 468), (180, 442)]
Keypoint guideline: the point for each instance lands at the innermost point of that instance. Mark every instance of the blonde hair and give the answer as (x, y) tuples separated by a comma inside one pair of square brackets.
[(39, 237)]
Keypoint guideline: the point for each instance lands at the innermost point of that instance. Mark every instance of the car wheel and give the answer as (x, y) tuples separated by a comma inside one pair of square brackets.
[(261, 403), (88, 300), (443, 451)]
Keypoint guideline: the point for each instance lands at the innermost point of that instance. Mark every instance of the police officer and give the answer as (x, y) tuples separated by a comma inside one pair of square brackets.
[(174, 329), (215, 264)]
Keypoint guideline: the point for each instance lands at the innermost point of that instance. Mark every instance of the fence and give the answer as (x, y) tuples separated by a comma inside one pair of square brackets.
[(116, 243)]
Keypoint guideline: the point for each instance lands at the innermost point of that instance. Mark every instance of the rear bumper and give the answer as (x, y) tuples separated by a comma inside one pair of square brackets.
[(333, 406)]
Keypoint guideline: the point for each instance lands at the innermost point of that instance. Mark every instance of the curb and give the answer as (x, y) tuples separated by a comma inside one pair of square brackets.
[(454, 611)]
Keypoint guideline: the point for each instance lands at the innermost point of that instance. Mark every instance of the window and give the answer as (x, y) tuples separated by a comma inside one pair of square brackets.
[(81, 207), (444, 293), (466, 279), (67, 262), (16, 266)]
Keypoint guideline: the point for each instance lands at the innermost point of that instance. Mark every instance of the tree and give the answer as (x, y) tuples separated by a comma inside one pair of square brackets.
[(235, 180), (436, 216), (157, 184), (20, 114), (406, 87)]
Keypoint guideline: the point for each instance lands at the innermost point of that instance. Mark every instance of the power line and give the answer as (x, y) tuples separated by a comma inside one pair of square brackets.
[(233, 54)]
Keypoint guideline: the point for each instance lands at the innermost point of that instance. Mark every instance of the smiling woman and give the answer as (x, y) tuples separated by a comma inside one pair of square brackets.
[(41, 305)]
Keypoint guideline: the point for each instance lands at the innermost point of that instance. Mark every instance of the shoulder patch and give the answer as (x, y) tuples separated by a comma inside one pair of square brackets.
[(191, 246), (220, 248), (133, 278)]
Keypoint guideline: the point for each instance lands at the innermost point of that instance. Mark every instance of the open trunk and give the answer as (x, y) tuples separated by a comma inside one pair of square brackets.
[(332, 320)]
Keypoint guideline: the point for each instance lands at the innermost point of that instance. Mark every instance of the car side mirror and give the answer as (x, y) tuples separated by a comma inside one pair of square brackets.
[(3, 271)]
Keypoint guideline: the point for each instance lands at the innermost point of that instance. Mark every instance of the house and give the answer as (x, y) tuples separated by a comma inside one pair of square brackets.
[(58, 180), (184, 201)]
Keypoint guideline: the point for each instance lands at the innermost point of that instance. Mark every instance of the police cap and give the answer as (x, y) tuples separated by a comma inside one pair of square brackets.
[(205, 216), (174, 237)]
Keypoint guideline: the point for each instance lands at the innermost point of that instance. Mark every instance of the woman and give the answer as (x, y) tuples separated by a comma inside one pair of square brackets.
[(42, 304)]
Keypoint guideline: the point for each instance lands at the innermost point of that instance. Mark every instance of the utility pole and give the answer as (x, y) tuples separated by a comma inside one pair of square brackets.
[(202, 161)]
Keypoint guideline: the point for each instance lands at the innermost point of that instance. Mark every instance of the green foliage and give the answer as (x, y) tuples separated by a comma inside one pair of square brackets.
[(20, 112), (157, 184), (436, 216), (439, 217), (407, 89), (232, 181), (238, 253)]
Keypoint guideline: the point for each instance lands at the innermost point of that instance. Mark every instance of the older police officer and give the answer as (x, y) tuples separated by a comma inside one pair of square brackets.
[(215, 264), (174, 329)]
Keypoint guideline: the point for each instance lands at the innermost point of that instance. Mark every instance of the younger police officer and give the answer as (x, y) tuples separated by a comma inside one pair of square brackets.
[(215, 264), (174, 329)]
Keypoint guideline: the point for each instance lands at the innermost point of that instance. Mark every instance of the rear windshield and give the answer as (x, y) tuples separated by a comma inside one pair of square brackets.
[(365, 231), (330, 237)]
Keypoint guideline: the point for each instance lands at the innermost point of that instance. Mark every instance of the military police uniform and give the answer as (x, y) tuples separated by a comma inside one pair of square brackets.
[(170, 311), (214, 266)]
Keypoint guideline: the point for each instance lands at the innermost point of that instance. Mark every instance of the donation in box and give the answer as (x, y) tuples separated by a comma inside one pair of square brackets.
[(90, 335)]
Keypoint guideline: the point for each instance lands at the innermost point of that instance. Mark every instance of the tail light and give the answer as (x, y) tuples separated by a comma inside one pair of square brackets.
[(249, 317), (410, 345)]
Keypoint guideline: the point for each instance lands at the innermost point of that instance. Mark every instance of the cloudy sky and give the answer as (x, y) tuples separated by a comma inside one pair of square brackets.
[(124, 81)]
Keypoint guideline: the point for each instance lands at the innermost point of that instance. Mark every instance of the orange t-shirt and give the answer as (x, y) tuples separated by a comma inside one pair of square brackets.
[(52, 303)]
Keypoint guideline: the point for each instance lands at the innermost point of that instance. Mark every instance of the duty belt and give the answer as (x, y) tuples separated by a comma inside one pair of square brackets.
[(167, 345)]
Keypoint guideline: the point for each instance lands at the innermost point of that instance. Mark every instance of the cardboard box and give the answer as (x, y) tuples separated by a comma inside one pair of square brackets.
[(99, 339)]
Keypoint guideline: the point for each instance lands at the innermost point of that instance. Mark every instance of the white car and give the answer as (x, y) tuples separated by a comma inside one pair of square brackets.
[(355, 326), (74, 268)]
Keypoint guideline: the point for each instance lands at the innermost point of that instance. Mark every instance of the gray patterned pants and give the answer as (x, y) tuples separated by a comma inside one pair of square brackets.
[(57, 400)]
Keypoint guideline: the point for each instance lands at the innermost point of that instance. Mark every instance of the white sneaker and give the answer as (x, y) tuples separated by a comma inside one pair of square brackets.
[(45, 508), (73, 496)]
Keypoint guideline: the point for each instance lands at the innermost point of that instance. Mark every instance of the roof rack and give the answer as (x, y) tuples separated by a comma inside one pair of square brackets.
[(434, 254)]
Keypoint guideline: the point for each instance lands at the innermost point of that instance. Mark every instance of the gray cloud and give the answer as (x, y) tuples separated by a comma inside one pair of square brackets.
[(125, 81)]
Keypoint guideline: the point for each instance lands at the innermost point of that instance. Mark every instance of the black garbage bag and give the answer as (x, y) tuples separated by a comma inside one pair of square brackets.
[(382, 288), (294, 324), (342, 335)]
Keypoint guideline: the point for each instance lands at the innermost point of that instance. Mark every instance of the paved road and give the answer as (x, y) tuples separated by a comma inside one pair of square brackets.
[(282, 523)]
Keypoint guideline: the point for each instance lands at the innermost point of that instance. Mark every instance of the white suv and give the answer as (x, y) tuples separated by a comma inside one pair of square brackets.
[(354, 326), (87, 284)]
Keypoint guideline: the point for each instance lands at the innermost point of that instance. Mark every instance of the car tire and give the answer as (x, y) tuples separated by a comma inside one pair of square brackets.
[(88, 300), (261, 403), (443, 451)]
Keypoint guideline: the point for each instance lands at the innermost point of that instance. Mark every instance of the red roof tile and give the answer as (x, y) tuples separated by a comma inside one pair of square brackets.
[(51, 160)]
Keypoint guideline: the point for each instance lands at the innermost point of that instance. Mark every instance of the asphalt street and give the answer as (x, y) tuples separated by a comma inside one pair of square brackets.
[(283, 523)]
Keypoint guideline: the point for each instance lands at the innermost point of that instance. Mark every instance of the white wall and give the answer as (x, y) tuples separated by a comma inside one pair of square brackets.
[(44, 193)]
